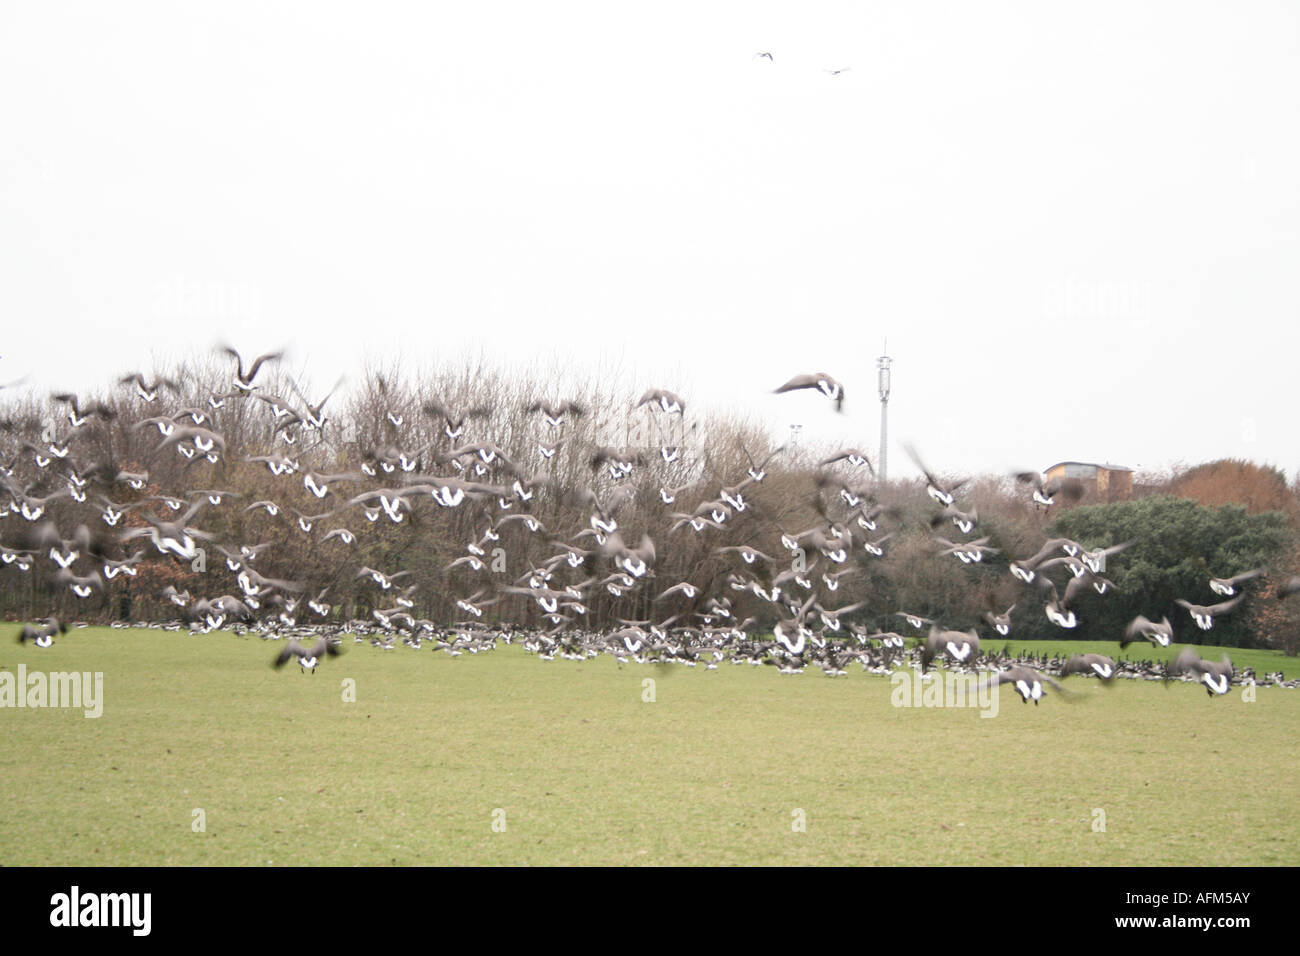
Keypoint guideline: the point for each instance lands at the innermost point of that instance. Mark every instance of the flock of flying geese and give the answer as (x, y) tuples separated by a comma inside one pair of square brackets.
[(768, 610)]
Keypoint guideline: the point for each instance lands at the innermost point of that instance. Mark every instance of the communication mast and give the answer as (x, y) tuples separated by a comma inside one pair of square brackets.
[(882, 364)]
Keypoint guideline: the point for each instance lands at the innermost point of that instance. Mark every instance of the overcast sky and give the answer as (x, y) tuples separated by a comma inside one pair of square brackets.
[(1076, 223)]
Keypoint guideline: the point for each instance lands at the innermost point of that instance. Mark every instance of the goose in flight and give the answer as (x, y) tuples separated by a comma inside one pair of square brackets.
[(1228, 586), (82, 585), (915, 620), (42, 635), (313, 417), (964, 520), (1205, 615), (77, 415), (635, 561), (969, 552), (1096, 665), (854, 456), (963, 647), (319, 484), (243, 380), (62, 551), (172, 537), (940, 491), (1029, 683), (757, 470), (1000, 622), (1027, 569), (149, 390), (201, 439), (1140, 628), (1058, 611), (307, 660), (824, 383), (1217, 678), (666, 401), (553, 413), (385, 581), (1045, 491), (1096, 560), (620, 461), (453, 422)]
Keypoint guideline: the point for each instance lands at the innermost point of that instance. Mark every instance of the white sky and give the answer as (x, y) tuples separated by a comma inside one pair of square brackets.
[(1077, 224)]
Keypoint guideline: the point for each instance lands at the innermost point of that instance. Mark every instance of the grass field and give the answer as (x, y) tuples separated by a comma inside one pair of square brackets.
[(581, 770)]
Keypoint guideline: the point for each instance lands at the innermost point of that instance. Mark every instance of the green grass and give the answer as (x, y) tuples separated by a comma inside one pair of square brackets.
[(586, 772)]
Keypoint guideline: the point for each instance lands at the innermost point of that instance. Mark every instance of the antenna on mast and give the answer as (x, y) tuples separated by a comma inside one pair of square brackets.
[(883, 384)]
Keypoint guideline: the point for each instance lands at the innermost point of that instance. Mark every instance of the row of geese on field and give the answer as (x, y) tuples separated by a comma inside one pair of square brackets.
[(393, 481), (881, 654)]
